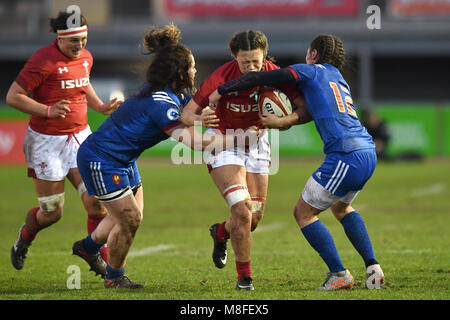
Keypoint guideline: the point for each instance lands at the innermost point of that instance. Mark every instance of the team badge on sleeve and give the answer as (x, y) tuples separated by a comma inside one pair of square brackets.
[(173, 114)]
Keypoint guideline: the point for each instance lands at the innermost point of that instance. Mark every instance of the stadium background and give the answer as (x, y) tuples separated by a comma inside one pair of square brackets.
[(400, 71)]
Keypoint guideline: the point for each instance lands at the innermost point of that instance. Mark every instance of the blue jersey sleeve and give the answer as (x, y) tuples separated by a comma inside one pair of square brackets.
[(184, 99), (166, 112), (166, 116), (303, 72)]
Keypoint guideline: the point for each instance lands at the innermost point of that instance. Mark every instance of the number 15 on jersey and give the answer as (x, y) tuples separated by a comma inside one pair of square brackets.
[(348, 106)]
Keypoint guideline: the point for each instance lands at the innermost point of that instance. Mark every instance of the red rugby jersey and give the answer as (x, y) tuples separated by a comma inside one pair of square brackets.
[(51, 76), (236, 109)]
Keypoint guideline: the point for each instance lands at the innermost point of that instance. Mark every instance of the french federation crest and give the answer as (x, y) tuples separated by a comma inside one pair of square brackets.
[(116, 179), (173, 114)]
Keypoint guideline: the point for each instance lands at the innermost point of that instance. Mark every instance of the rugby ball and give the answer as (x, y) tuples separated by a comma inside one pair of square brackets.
[(276, 102)]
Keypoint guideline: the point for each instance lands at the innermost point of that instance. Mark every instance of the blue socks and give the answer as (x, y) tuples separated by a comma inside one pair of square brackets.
[(356, 231), (321, 240), (113, 273), (90, 246)]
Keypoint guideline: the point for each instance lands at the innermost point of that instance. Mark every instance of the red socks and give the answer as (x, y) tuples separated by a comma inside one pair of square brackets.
[(221, 233), (32, 226), (92, 223), (243, 268)]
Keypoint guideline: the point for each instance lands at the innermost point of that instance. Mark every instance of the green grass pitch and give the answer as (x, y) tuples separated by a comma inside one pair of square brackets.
[(406, 207)]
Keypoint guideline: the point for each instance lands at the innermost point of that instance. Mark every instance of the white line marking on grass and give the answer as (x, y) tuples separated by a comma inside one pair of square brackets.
[(150, 250), (269, 227), (407, 251), (428, 190), (137, 253), (51, 253)]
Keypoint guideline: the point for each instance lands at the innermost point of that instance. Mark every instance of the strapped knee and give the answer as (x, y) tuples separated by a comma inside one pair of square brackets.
[(258, 204), (236, 193), (81, 188), (52, 203)]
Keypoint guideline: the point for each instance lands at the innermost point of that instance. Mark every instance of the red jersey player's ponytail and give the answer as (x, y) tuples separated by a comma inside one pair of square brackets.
[(171, 60)]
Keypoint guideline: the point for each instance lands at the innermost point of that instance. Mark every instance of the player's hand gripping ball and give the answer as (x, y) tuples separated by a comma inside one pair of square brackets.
[(276, 102)]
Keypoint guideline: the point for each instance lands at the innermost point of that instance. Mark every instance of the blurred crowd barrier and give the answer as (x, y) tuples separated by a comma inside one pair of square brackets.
[(416, 130), (398, 51)]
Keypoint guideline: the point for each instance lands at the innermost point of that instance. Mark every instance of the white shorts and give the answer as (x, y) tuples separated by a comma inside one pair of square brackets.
[(255, 160), (50, 157), (320, 198)]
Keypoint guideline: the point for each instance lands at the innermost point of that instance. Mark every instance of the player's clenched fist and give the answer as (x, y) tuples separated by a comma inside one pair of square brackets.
[(209, 118)]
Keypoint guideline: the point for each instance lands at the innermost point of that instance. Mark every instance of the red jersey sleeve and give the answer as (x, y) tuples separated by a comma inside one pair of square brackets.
[(35, 72), (211, 83)]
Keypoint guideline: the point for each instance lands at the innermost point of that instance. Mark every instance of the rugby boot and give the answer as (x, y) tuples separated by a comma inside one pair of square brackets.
[(219, 254), (246, 283), (95, 261), (122, 282), (19, 251), (337, 281), (374, 277)]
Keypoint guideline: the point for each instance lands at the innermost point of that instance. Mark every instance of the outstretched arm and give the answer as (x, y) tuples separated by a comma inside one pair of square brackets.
[(192, 113), (299, 116), (197, 141), (96, 104), (251, 80)]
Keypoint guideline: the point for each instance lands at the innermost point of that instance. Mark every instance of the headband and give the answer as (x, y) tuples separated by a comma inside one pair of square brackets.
[(72, 32)]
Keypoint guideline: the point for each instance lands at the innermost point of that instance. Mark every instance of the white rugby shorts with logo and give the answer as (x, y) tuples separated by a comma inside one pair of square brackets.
[(255, 160), (50, 157)]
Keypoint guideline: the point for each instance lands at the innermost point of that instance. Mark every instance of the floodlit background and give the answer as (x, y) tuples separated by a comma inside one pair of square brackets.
[(398, 56)]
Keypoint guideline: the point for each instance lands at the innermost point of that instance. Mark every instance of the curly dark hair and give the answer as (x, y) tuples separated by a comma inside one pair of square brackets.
[(171, 60)]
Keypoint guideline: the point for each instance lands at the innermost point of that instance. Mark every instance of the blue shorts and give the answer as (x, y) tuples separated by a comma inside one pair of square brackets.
[(344, 172), (103, 177)]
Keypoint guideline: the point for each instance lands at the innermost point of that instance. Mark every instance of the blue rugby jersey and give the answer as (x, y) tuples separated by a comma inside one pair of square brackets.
[(138, 124), (329, 101)]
